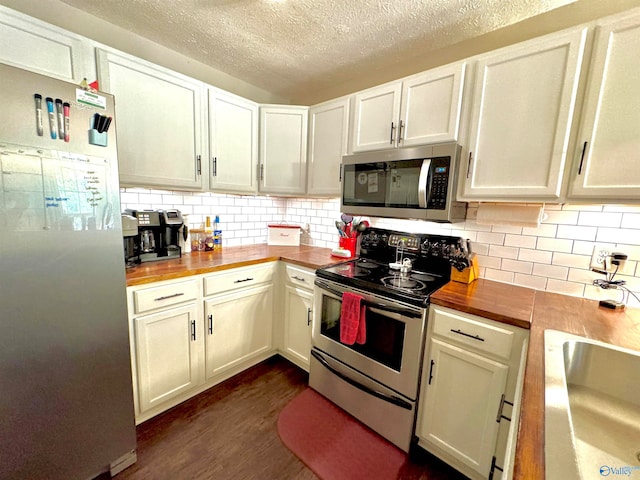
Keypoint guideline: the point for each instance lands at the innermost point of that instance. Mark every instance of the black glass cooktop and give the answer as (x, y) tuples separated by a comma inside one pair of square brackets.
[(377, 269)]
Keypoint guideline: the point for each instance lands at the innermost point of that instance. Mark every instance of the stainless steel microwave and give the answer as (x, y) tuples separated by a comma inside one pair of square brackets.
[(417, 183)]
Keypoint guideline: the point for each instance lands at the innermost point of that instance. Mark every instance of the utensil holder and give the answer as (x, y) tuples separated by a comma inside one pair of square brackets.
[(97, 138), (348, 243), (469, 274)]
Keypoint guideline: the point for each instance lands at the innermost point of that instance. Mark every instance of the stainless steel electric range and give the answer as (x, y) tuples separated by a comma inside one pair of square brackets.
[(377, 381)]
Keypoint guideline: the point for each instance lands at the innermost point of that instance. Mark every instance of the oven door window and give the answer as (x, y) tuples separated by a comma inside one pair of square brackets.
[(385, 335)]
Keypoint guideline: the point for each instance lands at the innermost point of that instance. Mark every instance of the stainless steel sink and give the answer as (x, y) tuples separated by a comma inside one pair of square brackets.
[(592, 408)]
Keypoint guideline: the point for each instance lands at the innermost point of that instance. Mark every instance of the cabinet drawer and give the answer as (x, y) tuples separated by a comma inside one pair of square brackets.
[(300, 277), (473, 332), (238, 278), (157, 297)]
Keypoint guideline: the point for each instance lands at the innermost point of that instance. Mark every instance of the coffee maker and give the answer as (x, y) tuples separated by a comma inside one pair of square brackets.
[(129, 240), (158, 234)]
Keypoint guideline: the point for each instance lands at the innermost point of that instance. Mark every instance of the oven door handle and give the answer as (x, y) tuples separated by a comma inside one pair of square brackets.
[(387, 398), (383, 306)]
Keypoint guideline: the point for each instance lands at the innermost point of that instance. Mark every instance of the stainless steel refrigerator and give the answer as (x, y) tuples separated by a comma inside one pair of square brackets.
[(66, 401)]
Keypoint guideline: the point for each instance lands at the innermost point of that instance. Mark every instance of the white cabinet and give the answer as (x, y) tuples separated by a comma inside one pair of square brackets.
[(298, 313), (472, 374), (606, 162), (283, 149), (233, 143), (239, 327), (522, 107), (420, 109), (43, 48), (166, 343), (168, 349), (159, 116), (328, 132), (239, 321)]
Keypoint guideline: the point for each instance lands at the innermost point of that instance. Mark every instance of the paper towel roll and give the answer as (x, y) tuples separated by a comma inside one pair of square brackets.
[(507, 214)]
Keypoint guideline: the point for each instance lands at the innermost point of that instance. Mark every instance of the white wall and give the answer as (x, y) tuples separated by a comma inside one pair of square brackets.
[(553, 257)]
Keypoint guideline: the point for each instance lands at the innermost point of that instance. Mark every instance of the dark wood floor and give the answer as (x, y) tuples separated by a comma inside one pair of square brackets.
[(230, 432)]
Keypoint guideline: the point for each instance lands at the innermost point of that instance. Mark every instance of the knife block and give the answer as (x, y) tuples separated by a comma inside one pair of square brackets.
[(469, 274)]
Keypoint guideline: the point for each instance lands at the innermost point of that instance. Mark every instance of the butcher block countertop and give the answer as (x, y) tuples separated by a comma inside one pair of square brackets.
[(544, 310), (195, 263)]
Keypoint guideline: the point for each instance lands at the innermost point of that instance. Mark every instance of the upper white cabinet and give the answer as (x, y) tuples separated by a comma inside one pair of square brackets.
[(420, 109), (328, 127), (159, 122), (606, 161), (523, 103), (283, 149), (43, 48), (233, 143)]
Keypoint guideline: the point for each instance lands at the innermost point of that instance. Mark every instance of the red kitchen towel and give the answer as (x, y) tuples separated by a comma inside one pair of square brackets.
[(352, 321)]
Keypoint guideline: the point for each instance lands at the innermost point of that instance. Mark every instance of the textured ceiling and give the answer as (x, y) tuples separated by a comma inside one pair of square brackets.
[(288, 46)]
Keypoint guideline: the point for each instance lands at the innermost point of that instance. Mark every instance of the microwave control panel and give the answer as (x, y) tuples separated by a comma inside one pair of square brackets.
[(439, 186)]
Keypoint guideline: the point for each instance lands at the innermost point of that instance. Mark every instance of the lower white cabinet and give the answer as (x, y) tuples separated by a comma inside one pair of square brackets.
[(238, 328), (471, 385), (297, 312), (168, 346)]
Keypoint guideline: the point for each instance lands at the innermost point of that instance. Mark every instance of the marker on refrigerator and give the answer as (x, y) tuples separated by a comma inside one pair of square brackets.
[(60, 119), (67, 123), (52, 118), (38, 99)]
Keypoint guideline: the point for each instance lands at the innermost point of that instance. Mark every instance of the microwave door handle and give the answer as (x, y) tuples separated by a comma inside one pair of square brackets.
[(424, 183)]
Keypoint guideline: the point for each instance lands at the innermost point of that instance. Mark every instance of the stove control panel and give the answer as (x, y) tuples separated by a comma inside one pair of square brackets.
[(407, 242)]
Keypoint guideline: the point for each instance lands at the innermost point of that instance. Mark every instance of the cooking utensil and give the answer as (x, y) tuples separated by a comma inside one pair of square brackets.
[(340, 225), (362, 226), (346, 218)]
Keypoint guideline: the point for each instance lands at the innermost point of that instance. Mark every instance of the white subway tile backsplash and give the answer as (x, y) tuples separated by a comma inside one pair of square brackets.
[(577, 233), (600, 219), (520, 241), (570, 260), (554, 245), (554, 256), (491, 238), (544, 230), (536, 256), (517, 266), (550, 271), (499, 275), (530, 281), (503, 252)]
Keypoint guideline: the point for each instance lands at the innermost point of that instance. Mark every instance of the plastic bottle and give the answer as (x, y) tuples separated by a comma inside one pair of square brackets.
[(208, 236), (217, 234)]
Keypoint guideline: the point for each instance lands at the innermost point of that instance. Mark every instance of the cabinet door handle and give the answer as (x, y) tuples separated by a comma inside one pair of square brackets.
[(210, 318), (584, 149), (243, 280), (474, 337), (215, 166), (469, 164), (168, 296), (261, 171), (400, 131), (340, 174), (391, 137), (199, 165), (431, 371), (308, 317), (298, 278), (193, 330)]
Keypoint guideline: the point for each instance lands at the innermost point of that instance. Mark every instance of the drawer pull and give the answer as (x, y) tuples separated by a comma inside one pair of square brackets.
[(295, 277), (475, 337), (167, 296), (245, 280)]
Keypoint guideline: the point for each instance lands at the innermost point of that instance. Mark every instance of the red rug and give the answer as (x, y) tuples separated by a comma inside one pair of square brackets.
[(335, 445)]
